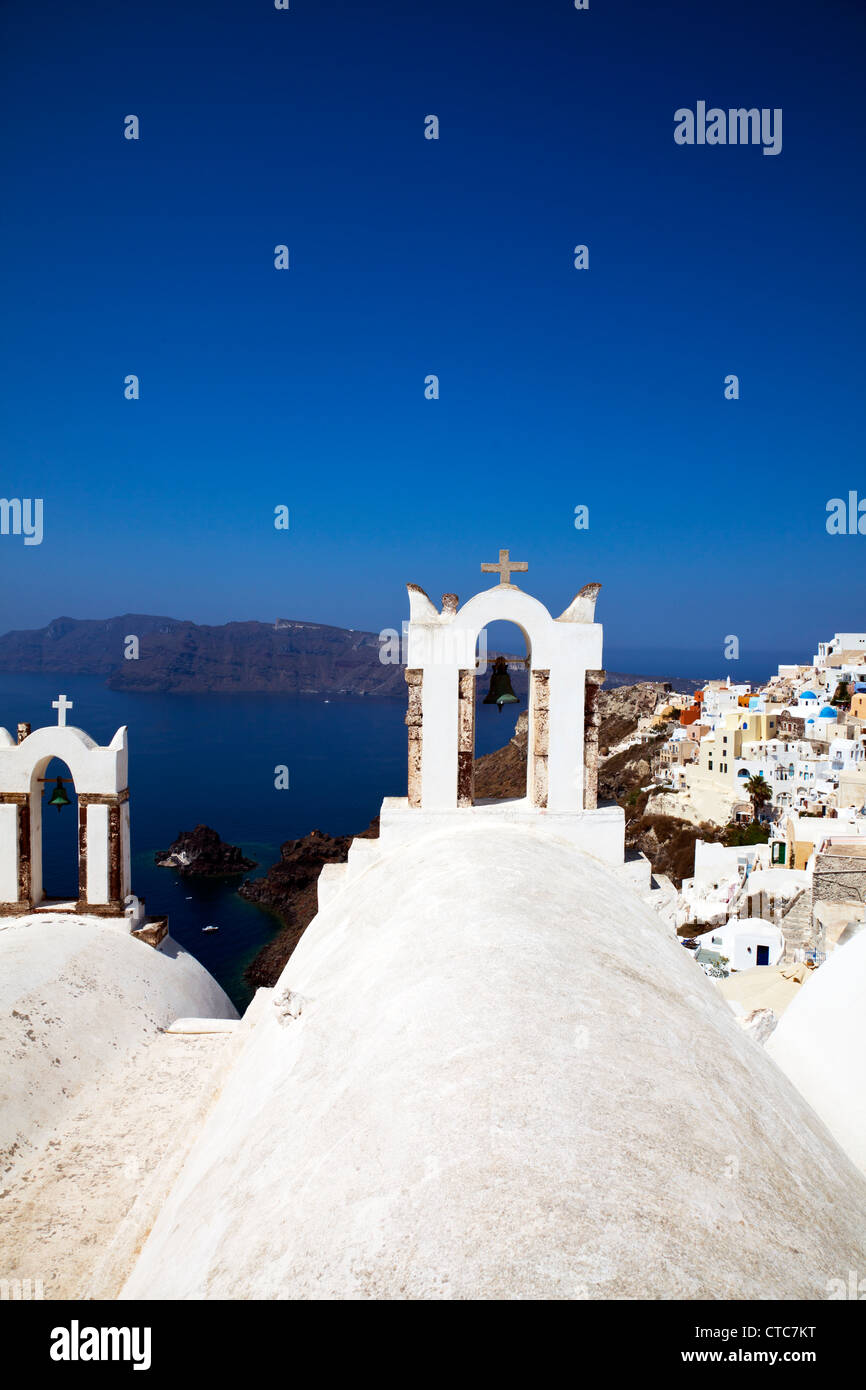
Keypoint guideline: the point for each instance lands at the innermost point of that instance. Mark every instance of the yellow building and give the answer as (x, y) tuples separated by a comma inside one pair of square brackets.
[(720, 750)]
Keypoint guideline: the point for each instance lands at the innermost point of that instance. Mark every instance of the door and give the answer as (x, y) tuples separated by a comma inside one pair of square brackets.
[(763, 955)]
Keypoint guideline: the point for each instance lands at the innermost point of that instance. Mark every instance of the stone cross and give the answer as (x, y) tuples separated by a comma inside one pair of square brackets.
[(504, 568), (61, 704)]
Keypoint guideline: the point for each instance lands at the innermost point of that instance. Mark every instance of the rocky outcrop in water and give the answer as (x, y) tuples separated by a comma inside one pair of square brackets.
[(202, 852)]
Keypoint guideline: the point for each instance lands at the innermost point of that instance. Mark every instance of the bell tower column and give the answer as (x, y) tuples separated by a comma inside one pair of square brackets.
[(82, 854), (15, 874), (591, 722), (466, 739), (103, 852), (538, 741), (415, 725)]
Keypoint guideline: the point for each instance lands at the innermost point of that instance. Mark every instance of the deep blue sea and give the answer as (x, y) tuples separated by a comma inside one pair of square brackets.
[(211, 759)]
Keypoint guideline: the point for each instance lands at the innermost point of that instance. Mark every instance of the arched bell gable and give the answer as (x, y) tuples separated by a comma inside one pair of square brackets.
[(100, 778), (565, 661)]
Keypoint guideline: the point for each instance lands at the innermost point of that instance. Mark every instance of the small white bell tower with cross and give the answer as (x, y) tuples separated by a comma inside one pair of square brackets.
[(101, 780)]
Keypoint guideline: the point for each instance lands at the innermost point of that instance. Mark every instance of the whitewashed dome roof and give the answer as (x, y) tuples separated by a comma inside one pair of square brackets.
[(490, 1072), (77, 994)]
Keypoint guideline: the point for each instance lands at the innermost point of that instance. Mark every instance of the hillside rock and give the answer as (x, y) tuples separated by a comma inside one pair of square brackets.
[(289, 890), (622, 709), (682, 805), (667, 840), (668, 843), (503, 773)]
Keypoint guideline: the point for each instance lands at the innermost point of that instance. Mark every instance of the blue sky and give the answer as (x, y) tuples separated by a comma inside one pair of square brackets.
[(454, 257)]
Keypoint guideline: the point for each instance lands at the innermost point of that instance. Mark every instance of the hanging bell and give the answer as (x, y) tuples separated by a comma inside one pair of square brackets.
[(58, 797), (500, 692)]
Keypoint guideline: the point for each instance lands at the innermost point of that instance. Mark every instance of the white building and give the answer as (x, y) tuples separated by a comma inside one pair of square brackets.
[(745, 942), (853, 642), (718, 883)]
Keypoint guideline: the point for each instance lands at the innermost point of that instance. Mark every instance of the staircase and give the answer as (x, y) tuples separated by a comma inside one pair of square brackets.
[(796, 924)]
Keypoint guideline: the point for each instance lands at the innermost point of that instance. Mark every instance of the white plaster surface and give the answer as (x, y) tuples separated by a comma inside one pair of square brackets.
[(97, 854), (77, 996), (600, 833), (8, 853), (94, 769), (821, 1045), (204, 1025), (488, 1071), (77, 1216)]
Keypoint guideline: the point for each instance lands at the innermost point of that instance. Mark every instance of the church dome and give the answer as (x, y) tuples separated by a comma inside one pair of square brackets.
[(827, 712), (483, 1075)]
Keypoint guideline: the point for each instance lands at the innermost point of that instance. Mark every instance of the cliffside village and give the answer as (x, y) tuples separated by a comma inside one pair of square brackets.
[(782, 766)]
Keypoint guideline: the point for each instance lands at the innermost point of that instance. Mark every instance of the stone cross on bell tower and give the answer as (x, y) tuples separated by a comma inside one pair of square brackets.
[(505, 569)]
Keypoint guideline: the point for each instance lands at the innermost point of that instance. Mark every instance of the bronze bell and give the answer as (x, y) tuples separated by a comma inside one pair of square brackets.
[(500, 692), (59, 797)]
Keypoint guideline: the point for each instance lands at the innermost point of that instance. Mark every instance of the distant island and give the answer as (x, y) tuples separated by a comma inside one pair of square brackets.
[(175, 656), (179, 657)]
